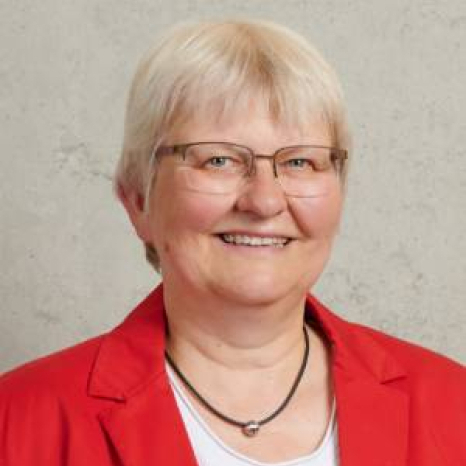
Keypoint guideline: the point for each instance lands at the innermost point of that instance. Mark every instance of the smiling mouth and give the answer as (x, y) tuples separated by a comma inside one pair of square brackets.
[(254, 241)]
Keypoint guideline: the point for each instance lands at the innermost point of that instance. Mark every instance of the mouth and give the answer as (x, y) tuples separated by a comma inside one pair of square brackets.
[(254, 241)]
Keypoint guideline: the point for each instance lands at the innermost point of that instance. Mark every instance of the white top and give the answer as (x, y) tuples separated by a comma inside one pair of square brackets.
[(210, 450)]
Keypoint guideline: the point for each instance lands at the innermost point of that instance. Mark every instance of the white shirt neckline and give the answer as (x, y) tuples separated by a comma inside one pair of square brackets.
[(188, 410)]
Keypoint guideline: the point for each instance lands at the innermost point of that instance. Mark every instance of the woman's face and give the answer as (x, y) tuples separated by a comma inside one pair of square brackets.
[(187, 227)]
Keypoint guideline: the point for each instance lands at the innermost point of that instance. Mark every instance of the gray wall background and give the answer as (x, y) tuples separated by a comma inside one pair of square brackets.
[(71, 265)]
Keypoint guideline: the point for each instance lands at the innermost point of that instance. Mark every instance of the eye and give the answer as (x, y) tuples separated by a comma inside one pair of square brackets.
[(218, 161), (222, 161), (300, 163), (306, 160), (216, 158)]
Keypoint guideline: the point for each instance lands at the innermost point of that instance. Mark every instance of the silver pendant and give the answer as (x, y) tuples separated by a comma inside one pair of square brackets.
[(251, 429)]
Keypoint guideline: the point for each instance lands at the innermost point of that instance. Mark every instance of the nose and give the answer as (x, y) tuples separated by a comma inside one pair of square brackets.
[(262, 194)]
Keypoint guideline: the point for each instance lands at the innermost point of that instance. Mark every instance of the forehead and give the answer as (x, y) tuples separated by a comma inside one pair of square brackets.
[(254, 128)]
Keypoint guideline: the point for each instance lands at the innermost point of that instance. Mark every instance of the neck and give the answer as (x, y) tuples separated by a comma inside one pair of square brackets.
[(244, 359), (212, 330)]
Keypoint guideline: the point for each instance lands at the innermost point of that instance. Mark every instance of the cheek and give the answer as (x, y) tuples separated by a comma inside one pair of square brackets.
[(318, 217), (186, 215), (182, 230)]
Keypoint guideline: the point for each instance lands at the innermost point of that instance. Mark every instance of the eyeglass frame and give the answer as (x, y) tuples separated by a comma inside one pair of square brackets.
[(336, 154)]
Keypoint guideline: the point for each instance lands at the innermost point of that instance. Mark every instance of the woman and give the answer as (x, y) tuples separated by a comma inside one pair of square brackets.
[(233, 174)]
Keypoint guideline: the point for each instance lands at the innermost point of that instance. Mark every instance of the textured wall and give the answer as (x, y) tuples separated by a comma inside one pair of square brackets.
[(71, 264)]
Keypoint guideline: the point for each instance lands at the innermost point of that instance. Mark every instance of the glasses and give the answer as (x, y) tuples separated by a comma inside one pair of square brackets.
[(223, 168)]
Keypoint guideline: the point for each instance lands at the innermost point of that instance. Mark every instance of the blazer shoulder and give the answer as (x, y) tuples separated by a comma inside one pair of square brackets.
[(64, 372), (46, 410), (436, 388), (420, 363)]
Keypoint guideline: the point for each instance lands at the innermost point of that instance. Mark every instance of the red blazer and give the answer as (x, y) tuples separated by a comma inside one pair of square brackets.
[(108, 402)]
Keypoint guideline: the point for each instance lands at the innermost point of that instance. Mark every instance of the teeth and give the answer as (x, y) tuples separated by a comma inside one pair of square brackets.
[(254, 240)]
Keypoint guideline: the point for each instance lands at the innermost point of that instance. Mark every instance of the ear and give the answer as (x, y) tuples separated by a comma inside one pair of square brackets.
[(133, 203)]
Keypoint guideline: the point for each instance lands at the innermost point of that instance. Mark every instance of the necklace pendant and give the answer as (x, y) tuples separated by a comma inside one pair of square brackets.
[(251, 428)]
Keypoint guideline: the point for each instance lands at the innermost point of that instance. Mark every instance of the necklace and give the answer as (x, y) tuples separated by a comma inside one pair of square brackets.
[(249, 428)]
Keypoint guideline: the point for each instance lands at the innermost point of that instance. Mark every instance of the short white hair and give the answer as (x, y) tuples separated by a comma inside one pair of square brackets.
[(215, 70)]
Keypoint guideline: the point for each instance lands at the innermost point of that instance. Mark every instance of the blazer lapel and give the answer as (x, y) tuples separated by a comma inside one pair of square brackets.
[(372, 414), (143, 425), (372, 424), (148, 429)]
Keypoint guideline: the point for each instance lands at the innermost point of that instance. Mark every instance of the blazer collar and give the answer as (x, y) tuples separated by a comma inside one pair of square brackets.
[(356, 354), (132, 354), (145, 426)]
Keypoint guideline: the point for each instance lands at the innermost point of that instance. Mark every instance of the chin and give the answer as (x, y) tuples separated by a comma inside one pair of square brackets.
[(256, 291)]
